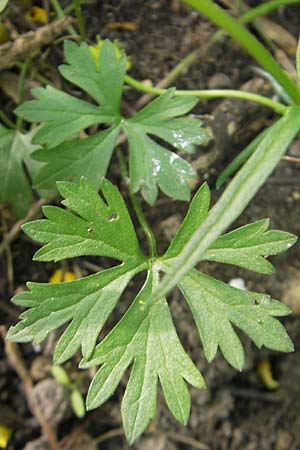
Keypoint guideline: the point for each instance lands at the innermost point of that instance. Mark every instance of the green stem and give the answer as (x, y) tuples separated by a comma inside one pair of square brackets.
[(219, 17), (80, 19), (212, 94), (21, 88), (60, 14), (264, 9), (6, 120), (138, 209), (144, 224)]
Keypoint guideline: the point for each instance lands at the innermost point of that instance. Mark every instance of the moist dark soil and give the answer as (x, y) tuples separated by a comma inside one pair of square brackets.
[(237, 411)]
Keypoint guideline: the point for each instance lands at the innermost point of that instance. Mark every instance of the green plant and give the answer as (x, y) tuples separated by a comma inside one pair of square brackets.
[(76, 399), (150, 166), (145, 337), (15, 187), (3, 4)]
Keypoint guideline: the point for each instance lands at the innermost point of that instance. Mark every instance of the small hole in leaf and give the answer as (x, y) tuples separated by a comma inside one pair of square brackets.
[(113, 216), (255, 302)]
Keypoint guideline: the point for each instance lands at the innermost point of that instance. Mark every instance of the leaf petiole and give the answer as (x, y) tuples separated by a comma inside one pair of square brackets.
[(211, 94), (138, 209)]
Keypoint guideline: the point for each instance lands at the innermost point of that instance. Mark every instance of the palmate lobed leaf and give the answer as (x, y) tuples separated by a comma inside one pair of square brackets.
[(145, 337), (63, 116)]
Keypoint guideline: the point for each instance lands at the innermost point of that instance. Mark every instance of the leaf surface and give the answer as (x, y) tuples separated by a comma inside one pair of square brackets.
[(216, 306), (71, 160), (103, 81), (197, 212), (15, 188), (152, 166), (87, 303), (62, 114), (148, 339), (248, 246), (160, 118), (91, 226)]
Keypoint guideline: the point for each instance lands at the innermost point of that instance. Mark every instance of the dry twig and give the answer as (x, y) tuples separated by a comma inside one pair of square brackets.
[(29, 44)]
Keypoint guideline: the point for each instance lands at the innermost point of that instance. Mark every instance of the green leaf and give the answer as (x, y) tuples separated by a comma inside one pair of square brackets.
[(197, 212), (15, 188), (159, 118), (145, 337), (103, 82), (91, 227), (64, 116), (87, 303), (151, 166), (148, 339), (71, 160), (235, 198), (216, 305), (248, 246), (3, 4)]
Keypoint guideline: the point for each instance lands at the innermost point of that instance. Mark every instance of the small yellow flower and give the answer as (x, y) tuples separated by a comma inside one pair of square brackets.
[(59, 276), (37, 14), (5, 435), (264, 371)]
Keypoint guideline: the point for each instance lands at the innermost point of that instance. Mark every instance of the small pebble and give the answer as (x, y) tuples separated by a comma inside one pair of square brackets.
[(219, 80)]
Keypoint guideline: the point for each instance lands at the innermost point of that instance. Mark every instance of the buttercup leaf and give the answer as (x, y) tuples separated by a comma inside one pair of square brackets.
[(63, 117), (145, 339)]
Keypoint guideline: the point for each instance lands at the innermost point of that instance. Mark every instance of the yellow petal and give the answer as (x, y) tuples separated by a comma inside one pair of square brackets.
[(59, 276), (37, 14), (264, 371), (5, 435)]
